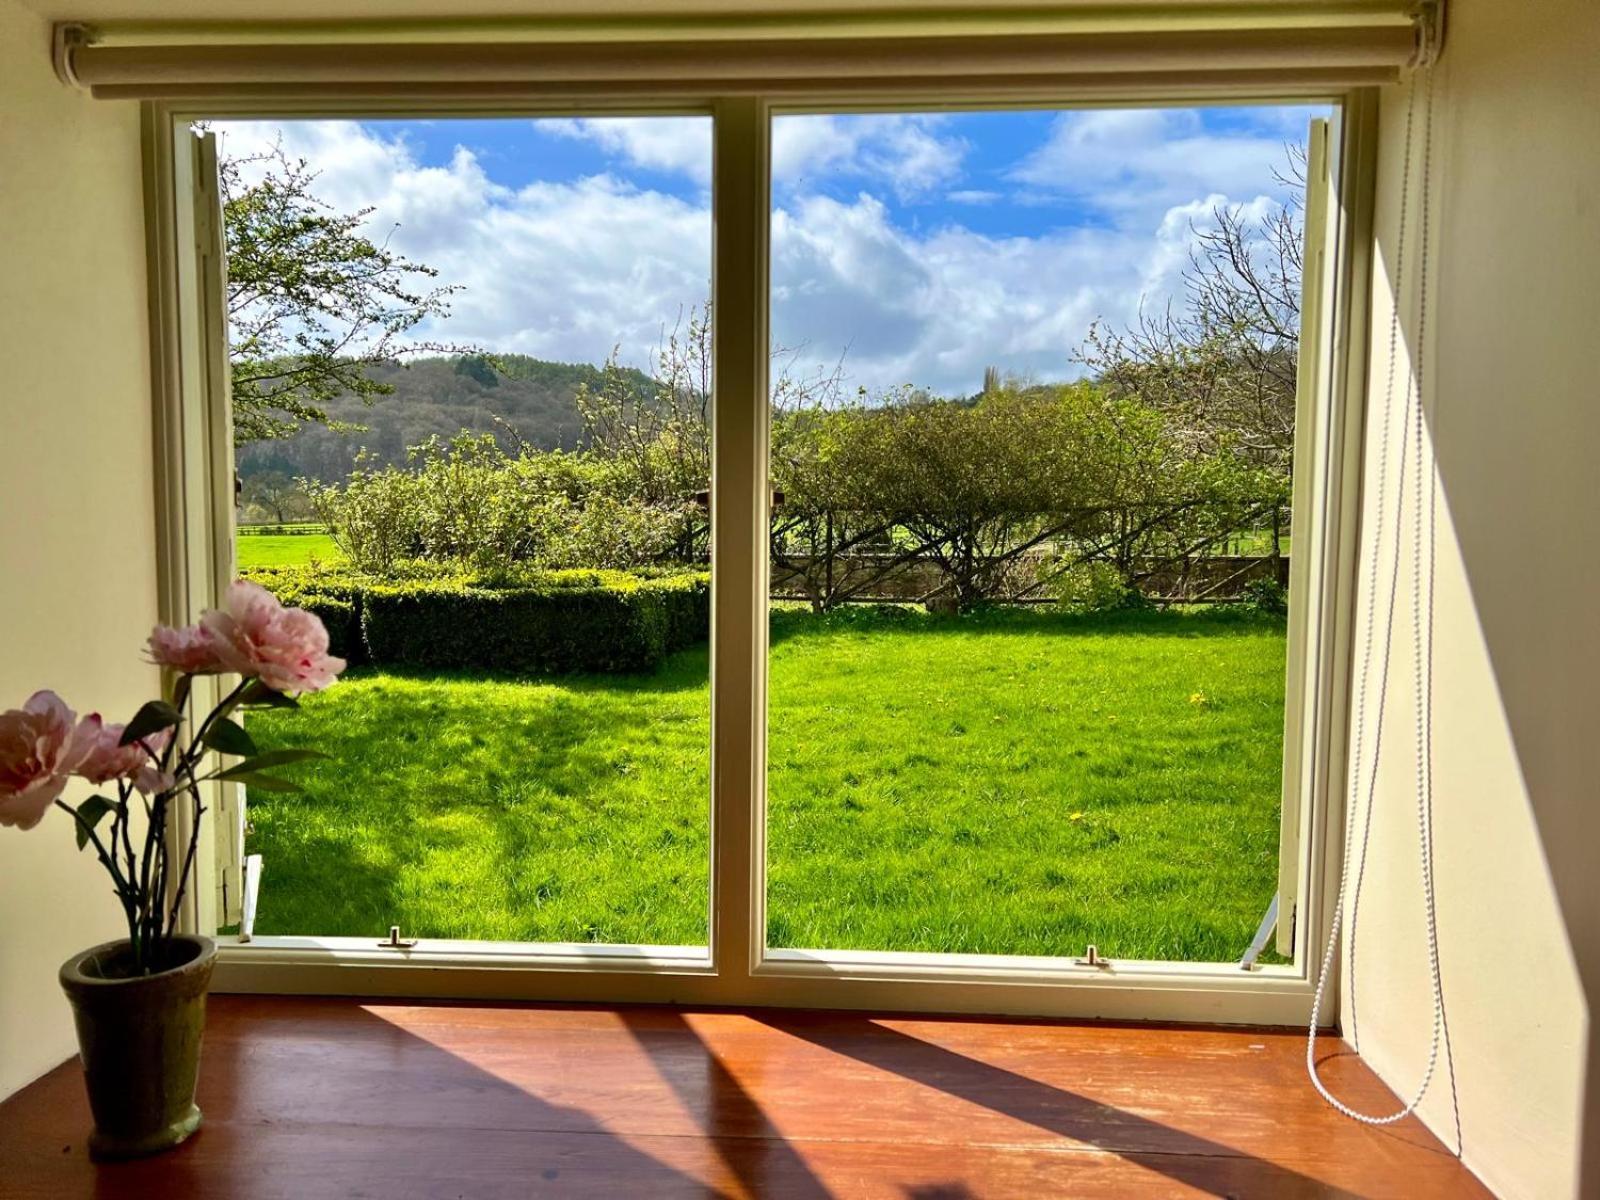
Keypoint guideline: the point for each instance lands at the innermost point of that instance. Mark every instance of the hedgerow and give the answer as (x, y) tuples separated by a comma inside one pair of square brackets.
[(523, 622)]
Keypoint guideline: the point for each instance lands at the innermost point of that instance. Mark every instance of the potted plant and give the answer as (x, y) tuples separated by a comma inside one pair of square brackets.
[(139, 1002)]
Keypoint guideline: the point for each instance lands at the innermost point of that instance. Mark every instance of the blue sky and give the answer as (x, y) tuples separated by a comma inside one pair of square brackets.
[(920, 248)]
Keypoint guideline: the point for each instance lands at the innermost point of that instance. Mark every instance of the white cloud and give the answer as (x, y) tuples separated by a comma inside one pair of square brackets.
[(1140, 162), (567, 270), (677, 144), (934, 310), (557, 270), (905, 152), (1180, 231)]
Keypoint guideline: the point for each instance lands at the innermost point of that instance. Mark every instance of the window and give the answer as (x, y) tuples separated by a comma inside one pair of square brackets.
[(755, 745), (1034, 428), (470, 367)]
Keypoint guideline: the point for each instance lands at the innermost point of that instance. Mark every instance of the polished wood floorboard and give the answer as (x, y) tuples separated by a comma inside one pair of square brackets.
[(311, 1097)]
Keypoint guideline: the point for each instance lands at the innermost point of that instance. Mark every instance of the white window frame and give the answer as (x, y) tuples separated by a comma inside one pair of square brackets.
[(737, 968)]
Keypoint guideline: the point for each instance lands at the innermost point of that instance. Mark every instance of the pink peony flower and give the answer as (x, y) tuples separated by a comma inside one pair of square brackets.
[(108, 759), (41, 745), (255, 635), (189, 650)]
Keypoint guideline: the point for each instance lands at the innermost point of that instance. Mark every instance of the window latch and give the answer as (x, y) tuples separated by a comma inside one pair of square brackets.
[(1091, 958), (395, 941)]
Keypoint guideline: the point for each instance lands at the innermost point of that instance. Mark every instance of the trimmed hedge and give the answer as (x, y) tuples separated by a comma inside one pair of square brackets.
[(530, 623)]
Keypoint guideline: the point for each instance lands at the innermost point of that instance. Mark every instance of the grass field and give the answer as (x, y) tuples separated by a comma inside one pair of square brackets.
[(1006, 783), (285, 549)]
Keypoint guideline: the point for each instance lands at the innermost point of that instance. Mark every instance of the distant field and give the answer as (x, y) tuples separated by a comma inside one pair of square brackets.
[(285, 549)]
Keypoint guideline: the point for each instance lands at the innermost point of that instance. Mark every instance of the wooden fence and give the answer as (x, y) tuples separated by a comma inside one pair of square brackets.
[(868, 578)]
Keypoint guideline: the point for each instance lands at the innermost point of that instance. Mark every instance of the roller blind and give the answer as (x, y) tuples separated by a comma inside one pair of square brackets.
[(871, 51)]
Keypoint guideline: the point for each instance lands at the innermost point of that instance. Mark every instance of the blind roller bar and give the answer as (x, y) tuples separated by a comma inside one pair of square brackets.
[(814, 95), (786, 66), (641, 21)]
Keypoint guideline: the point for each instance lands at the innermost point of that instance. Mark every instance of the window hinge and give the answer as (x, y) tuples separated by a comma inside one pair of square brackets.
[(395, 941)]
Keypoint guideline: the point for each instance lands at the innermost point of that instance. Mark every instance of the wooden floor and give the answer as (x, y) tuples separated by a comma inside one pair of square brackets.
[(316, 1097)]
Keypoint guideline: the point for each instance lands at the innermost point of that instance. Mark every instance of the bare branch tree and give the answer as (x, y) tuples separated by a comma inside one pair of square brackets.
[(1223, 363)]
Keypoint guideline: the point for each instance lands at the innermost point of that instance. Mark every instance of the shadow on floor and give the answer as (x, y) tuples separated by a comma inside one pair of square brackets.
[(1183, 1157), (325, 1098), (708, 1088)]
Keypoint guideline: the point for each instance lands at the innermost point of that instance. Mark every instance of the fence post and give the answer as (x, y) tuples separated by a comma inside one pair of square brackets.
[(828, 541)]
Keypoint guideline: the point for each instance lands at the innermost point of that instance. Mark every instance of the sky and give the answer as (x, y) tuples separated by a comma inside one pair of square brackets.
[(916, 249)]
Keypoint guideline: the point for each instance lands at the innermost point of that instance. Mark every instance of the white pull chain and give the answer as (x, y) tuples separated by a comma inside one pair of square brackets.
[(1416, 460)]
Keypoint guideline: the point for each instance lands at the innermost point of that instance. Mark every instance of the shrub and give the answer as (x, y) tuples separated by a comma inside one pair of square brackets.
[(1090, 587), (513, 620), (568, 621), (1265, 596), (373, 518), (468, 503)]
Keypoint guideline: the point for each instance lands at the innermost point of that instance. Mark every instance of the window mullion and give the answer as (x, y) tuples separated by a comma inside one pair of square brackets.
[(739, 500)]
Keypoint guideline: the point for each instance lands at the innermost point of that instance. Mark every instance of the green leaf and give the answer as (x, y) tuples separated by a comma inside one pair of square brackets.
[(266, 783), (90, 813), (272, 758), (152, 718), (259, 695), (229, 737)]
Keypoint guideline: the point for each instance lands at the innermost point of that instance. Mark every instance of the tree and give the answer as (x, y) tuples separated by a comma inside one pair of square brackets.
[(479, 367), (468, 503), (973, 488), (1222, 364), (826, 515), (275, 493), (312, 301), (661, 432)]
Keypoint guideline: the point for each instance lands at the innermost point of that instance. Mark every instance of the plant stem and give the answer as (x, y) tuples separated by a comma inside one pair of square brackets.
[(123, 889), (188, 856), (153, 836), (121, 819), (163, 917), (142, 892), (226, 706), (125, 816)]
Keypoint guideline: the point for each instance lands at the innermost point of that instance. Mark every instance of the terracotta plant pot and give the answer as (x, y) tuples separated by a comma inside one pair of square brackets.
[(139, 1037)]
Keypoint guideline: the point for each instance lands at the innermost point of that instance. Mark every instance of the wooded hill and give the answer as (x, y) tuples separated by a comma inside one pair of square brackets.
[(438, 397)]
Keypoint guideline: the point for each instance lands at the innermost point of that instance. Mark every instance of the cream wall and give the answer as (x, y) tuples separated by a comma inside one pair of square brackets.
[(1512, 350), (77, 524)]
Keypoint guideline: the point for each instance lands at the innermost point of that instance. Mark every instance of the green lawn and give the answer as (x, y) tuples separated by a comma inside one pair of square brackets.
[(286, 549), (1009, 783)]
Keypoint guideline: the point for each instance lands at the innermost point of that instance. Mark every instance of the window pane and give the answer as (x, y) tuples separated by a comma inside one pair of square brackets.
[(471, 377), (1034, 411)]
